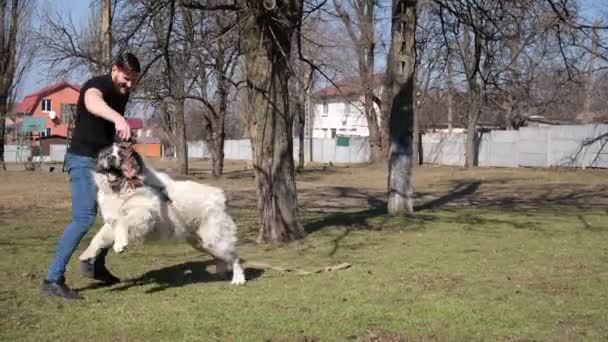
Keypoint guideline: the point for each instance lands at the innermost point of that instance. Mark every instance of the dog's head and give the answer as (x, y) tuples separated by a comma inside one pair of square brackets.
[(122, 166)]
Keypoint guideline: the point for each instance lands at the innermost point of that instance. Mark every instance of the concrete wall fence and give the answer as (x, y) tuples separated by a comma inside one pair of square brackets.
[(340, 150), (551, 146)]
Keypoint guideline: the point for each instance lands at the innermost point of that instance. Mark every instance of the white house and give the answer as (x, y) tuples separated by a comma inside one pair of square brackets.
[(339, 111)]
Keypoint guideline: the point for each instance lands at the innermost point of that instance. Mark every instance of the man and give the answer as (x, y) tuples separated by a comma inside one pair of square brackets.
[(99, 118)]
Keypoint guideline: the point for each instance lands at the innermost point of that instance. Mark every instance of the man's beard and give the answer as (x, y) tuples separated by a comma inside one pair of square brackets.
[(120, 86)]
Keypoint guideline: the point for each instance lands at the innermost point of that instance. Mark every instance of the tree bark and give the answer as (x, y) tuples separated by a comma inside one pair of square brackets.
[(217, 155), (471, 144), (266, 45), (9, 28), (180, 137), (106, 35), (3, 112), (218, 135), (300, 112), (589, 82), (471, 62), (364, 44), (402, 64), (450, 91), (366, 68)]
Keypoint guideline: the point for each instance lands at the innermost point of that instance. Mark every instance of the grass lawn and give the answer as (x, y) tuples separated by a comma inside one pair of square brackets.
[(490, 255)]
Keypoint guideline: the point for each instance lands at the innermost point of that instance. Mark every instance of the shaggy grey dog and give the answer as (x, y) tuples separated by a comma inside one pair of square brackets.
[(140, 203)]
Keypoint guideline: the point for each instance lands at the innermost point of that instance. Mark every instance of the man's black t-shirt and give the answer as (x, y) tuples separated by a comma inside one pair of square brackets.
[(91, 132)]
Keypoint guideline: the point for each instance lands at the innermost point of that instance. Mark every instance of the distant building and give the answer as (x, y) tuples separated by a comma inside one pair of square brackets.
[(340, 112)]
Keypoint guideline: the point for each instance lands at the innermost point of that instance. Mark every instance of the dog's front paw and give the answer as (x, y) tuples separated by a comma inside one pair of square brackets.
[(119, 247), (238, 279)]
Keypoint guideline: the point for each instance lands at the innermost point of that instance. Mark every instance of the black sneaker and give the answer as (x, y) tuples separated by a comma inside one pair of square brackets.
[(59, 289), (98, 272)]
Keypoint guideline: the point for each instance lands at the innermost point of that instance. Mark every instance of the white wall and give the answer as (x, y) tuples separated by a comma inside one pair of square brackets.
[(549, 146), (352, 123)]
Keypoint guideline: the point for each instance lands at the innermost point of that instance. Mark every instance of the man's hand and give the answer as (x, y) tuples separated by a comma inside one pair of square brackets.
[(122, 128)]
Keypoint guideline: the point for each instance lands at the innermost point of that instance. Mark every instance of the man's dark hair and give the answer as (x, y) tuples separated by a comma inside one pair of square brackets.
[(128, 62)]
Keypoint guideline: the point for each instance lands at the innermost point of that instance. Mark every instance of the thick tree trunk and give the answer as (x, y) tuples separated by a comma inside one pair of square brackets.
[(471, 60), (471, 144), (217, 155), (402, 61), (218, 128), (266, 38)]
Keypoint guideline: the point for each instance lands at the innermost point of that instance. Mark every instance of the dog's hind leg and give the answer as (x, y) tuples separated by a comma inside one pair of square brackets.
[(196, 243), (104, 238), (238, 274), (225, 258)]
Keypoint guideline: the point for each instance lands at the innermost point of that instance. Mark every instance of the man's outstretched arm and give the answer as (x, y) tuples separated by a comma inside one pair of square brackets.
[(93, 100)]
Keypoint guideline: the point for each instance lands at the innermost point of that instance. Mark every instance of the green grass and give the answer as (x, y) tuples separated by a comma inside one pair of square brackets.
[(449, 274), (455, 273)]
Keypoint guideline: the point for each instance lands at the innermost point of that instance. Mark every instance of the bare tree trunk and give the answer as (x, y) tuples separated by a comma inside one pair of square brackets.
[(9, 27), (471, 144), (589, 81), (3, 112), (219, 135), (450, 91), (266, 44), (513, 121), (217, 155), (508, 106), (300, 112), (471, 62), (310, 114), (180, 137), (385, 113), (106, 35), (364, 44), (402, 64), (367, 71)]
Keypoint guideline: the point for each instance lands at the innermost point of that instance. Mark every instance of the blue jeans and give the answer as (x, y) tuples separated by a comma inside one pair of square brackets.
[(84, 211)]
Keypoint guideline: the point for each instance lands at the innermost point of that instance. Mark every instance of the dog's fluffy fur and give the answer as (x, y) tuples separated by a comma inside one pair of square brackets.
[(140, 203)]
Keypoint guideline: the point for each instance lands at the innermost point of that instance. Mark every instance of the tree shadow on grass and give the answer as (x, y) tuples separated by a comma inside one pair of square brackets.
[(187, 273), (376, 216), (588, 226), (459, 191), (378, 207)]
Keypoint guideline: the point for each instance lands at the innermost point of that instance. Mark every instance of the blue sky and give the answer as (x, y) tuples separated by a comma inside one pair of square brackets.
[(79, 10), (39, 77)]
